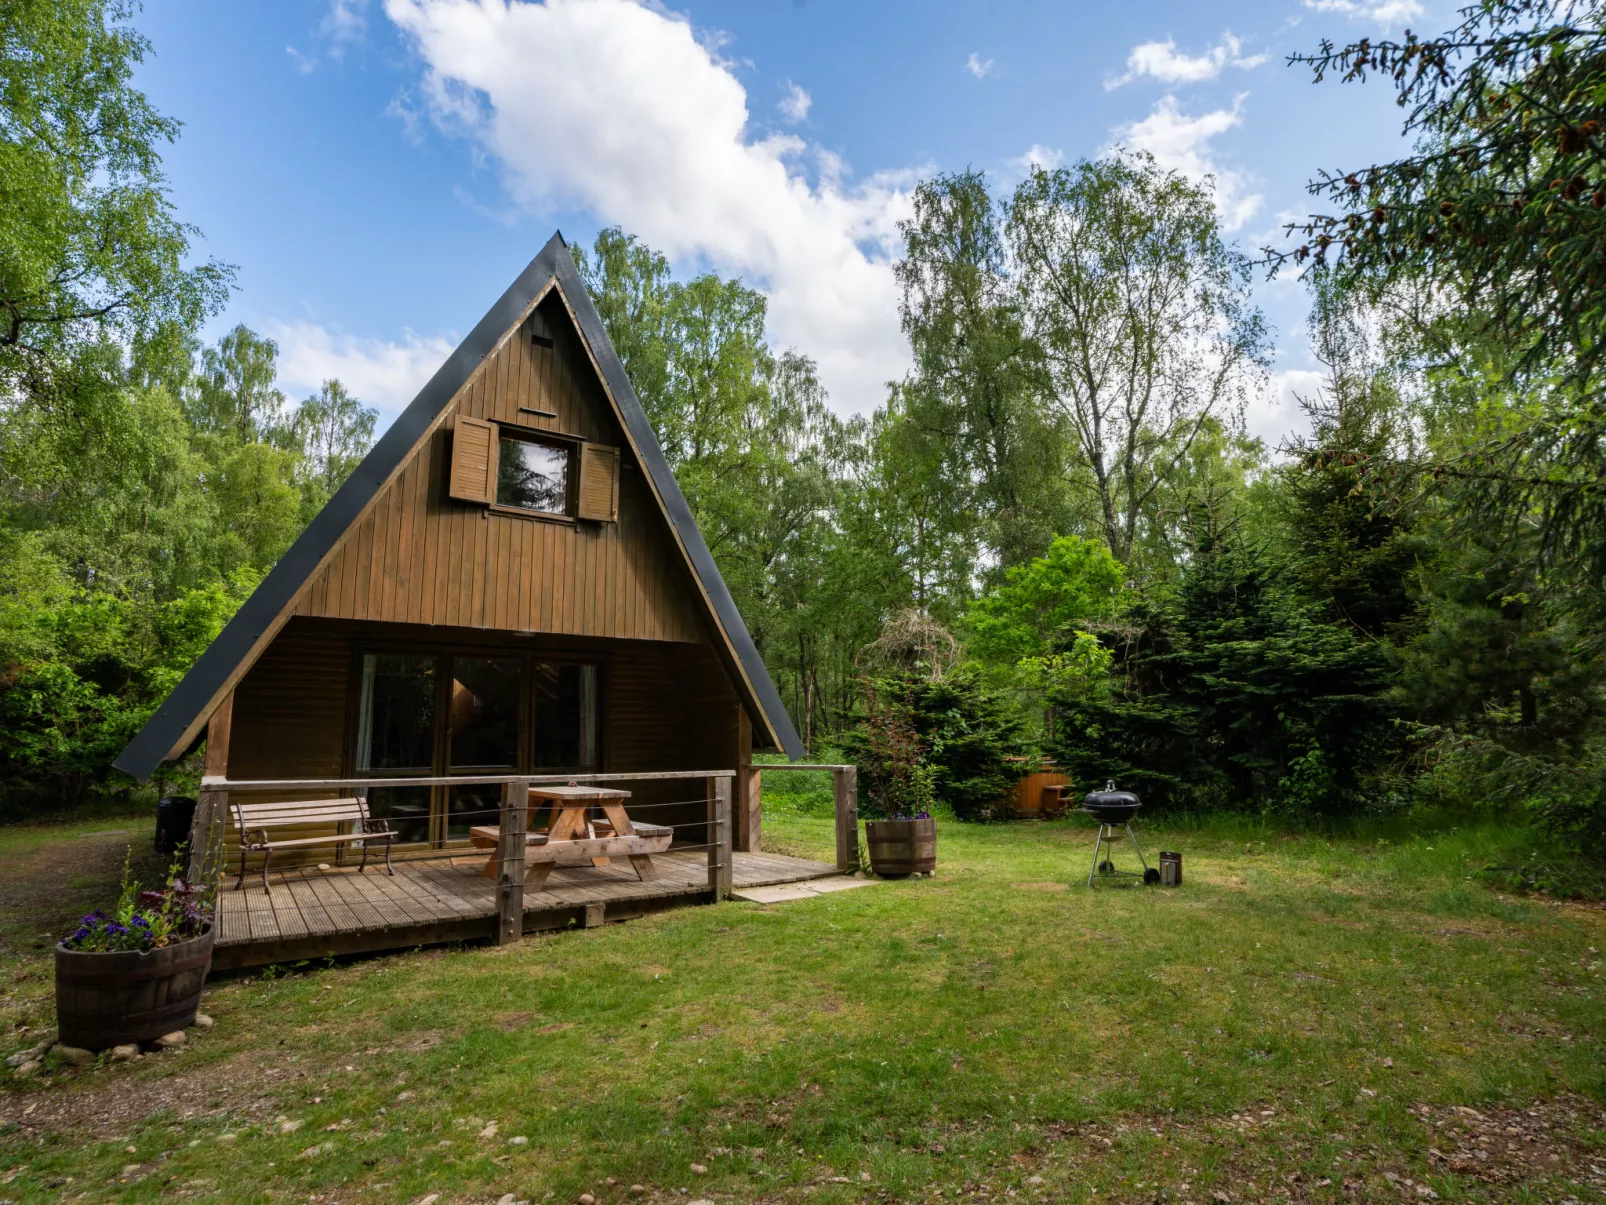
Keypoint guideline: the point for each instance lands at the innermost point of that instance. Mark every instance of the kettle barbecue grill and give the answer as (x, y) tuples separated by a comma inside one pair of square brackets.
[(1114, 810)]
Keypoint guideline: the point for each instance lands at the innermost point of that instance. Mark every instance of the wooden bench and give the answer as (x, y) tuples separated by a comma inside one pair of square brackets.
[(256, 821)]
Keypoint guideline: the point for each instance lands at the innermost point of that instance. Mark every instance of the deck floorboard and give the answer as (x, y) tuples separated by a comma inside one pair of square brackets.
[(308, 907)]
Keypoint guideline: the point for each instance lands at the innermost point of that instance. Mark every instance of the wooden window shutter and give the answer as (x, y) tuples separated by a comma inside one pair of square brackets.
[(474, 448), (599, 483)]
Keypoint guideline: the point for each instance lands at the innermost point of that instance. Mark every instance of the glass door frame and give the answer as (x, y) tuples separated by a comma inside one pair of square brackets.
[(443, 654)]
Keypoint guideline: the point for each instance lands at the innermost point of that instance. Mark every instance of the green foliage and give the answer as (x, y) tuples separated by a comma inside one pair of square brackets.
[(895, 779), (971, 410), (1501, 203), (1139, 314), (763, 461), (88, 239), (1231, 691), (970, 731), (950, 739), (84, 669), (1035, 612)]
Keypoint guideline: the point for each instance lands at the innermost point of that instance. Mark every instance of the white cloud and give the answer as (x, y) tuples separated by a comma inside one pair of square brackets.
[(1383, 12), (1037, 155), (382, 374), (1162, 61), (633, 120), (1277, 416), (795, 104), (977, 65), (342, 26), (1182, 143), (345, 22)]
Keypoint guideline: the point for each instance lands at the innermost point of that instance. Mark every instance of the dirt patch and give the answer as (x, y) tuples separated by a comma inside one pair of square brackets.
[(1040, 886), (1503, 1146), (42, 895), (111, 1102)]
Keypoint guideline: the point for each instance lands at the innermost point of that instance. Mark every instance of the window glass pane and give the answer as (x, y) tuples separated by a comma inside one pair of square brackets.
[(468, 806), (407, 809), (396, 728), (533, 476), (484, 713), (565, 716)]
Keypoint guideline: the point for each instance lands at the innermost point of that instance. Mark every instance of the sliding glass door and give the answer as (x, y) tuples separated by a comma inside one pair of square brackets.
[(396, 738), (483, 736), (468, 713)]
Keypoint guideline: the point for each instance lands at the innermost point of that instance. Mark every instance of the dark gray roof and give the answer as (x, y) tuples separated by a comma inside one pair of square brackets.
[(190, 700)]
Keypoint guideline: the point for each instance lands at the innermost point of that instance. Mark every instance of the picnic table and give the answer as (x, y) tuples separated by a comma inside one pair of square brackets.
[(574, 837)]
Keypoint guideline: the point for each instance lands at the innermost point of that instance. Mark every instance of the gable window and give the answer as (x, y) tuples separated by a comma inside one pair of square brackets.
[(533, 475), (512, 469)]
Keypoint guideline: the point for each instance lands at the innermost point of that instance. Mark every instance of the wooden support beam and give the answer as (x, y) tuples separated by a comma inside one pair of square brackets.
[(510, 862), (845, 780), (746, 802), (720, 857), (211, 806), (749, 809)]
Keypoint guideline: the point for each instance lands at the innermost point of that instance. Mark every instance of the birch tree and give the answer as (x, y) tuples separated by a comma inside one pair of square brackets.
[(1140, 313)]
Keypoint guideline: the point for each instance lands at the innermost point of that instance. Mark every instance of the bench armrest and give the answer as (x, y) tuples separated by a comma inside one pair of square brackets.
[(254, 838), (376, 827)]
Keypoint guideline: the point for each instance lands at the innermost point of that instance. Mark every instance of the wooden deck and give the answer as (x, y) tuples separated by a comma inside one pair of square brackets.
[(312, 913)]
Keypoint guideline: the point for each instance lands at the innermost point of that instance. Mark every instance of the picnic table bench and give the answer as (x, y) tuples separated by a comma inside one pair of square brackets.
[(257, 820), (574, 838)]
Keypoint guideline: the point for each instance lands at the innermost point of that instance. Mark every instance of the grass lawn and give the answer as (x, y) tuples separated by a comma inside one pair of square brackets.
[(1304, 1019)]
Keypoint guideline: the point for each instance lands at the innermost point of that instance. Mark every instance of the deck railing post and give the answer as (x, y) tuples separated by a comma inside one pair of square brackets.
[(719, 839), (845, 780), (510, 862), (206, 837), (749, 808)]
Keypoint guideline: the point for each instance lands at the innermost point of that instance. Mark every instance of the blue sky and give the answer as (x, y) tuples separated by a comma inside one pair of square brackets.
[(379, 170)]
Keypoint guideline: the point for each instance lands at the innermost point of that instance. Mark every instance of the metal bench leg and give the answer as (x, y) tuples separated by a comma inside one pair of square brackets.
[(240, 882), (363, 865), (389, 869), (266, 858)]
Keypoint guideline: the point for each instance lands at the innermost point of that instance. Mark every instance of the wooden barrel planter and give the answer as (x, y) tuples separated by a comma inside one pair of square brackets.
[(112, 999), (900, 848)]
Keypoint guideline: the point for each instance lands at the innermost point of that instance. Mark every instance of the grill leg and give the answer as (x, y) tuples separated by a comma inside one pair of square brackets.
[(1096, 843), (1136, 846)]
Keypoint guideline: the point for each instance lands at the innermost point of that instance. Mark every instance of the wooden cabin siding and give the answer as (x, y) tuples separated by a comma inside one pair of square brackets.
[(418, 556), (290, 722), (671, 707), (667, 705)]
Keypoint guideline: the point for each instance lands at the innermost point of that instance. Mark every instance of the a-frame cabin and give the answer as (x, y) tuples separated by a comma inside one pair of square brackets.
[(511, 581)]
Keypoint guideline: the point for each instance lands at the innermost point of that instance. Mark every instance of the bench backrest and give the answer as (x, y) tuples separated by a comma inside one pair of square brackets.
[(308, 811)]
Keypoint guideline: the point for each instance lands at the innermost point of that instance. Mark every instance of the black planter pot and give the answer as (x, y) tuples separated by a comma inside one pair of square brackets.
[(115, 998)]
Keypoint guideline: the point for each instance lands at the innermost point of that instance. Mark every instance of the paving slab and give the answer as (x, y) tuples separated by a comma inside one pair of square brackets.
[(798, 891)]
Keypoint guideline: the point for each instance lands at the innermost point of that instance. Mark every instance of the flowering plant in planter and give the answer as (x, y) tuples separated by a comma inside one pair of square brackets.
[(144, 920)]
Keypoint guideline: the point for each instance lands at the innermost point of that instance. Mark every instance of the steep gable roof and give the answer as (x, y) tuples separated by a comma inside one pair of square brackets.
[(183, 713)]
